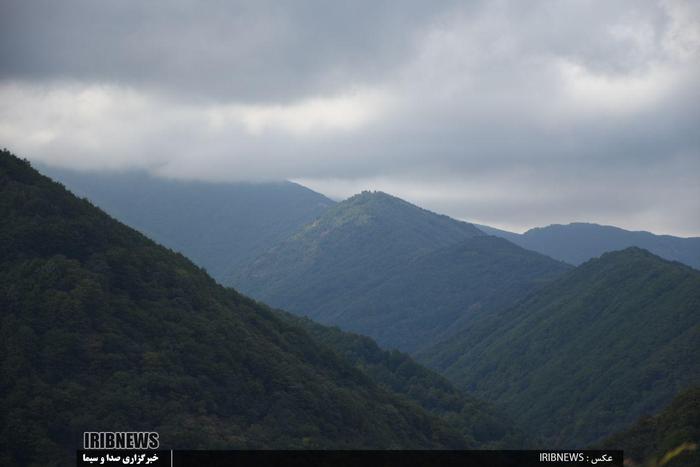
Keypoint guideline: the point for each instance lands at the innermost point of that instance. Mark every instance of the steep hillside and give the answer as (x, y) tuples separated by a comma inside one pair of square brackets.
[(220, 226), (101, 329), (579, 242), (588, 354), (477, 420), (667, 437), (441, 292), (379, 266)]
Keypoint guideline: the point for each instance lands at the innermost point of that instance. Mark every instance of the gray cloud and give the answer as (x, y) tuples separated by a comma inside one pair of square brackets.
[(241, 50), (510, 113)]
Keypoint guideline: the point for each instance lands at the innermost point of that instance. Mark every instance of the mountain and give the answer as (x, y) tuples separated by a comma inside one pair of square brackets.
[(220, 226), (101, 329), (587, 354), (379, 266), (477, 421), (578, 242), (510, 236), (666, 438)]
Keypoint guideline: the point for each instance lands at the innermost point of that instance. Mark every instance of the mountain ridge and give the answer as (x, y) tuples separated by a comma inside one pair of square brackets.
[(219, 225), (619, 335), (361, 266), (578, 242)]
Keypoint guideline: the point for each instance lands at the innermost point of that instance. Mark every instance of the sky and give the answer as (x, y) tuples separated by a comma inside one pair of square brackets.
[(507, 113)]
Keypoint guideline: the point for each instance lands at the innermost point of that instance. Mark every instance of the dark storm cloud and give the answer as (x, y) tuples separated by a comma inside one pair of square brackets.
[(235, 50), (504, 112)]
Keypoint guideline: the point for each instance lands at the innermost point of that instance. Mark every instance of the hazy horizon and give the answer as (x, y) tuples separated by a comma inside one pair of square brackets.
[(498, 225), (503, 113)]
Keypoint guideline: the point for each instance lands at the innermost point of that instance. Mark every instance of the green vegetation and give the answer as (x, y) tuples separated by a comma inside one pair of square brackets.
[(588, 354), (399, 373), (379, 266), (102, 329), (219, 226), (670, 438), (578, 242)]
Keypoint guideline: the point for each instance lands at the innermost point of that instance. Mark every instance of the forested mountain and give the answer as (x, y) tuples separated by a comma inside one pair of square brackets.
[(478, 421), (588, 354), (670, 438), (219, 226), (104, 330), (578, 242), (379, 266)]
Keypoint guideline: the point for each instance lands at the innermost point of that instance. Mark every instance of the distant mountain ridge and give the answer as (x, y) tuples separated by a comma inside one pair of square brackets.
[(588, 353), (578, 242), (220, 226), (382, 267)]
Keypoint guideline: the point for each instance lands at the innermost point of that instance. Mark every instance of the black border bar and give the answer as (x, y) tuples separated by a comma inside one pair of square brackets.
[(352, 458)]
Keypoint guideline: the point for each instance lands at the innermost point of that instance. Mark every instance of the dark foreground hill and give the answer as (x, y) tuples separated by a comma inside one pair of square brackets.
[(219, 226), (670, 438), (477, 421), (379, 266), (578, 242), (103, 330), (588, 354)]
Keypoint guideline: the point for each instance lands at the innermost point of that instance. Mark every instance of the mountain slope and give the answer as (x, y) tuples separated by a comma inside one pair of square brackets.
[(652, 439), (440, 292), (578, 242), (510, 236), (379, 266), (587, 354), (477, 420), (220, 226), (103, 330)]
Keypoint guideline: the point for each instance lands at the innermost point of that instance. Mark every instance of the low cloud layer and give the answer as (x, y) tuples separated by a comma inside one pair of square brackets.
[(513, 114)]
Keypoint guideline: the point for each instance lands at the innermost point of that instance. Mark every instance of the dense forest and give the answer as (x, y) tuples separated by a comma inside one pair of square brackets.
[(669, 438), (398, 372), (588, 354), (104, 330), (379, 266)]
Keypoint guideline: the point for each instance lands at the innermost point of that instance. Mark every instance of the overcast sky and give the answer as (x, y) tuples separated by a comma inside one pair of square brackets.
[(513, 114)]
